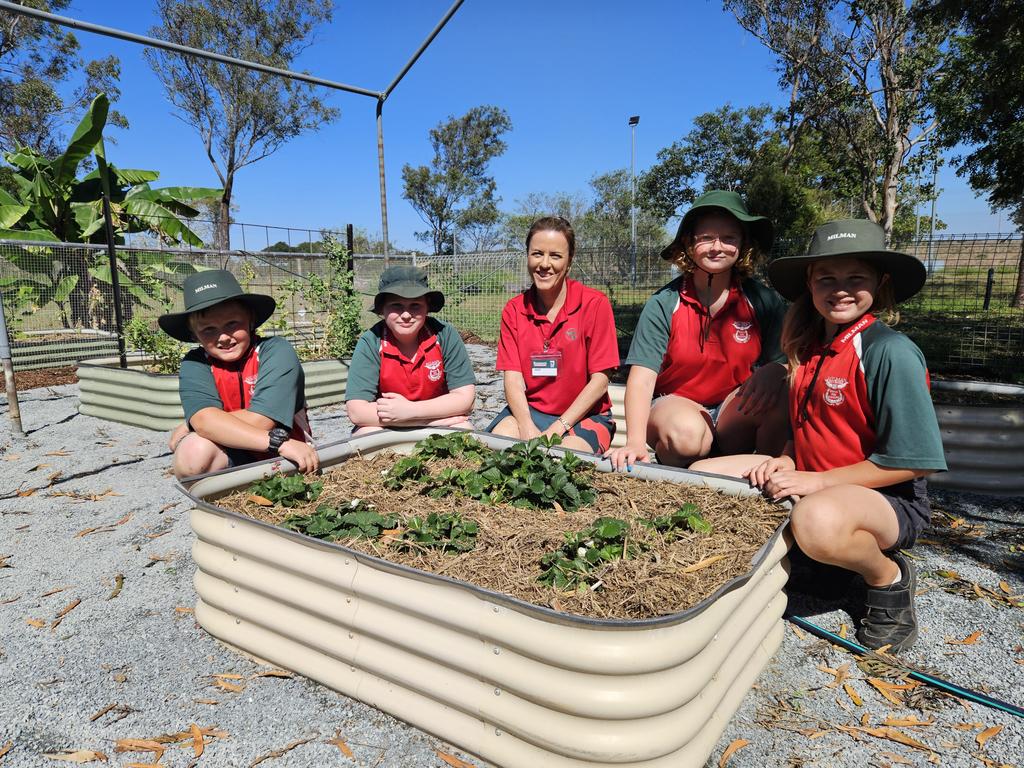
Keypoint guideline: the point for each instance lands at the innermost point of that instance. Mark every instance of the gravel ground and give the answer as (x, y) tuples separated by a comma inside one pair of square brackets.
[(81, 668)]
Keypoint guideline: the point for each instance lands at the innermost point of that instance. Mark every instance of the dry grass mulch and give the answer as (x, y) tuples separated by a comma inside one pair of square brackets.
[(669, 575)]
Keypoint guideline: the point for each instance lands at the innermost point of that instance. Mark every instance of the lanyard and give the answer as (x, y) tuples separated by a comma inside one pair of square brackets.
[(840, 341)]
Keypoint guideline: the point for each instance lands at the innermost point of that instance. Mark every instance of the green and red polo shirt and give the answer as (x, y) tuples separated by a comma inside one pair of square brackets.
[(269, 381), (581, 340), (863, 396), (439, 365), (670, 339)]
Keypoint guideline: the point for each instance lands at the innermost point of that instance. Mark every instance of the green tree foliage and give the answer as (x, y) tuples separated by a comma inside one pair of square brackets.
[(51, 204), (607, 222), (37, 61), (455, 191), (857, 72), (980, 99), (241, 116)]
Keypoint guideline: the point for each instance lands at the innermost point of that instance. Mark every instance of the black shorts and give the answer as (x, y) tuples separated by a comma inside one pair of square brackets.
[(909, 501)]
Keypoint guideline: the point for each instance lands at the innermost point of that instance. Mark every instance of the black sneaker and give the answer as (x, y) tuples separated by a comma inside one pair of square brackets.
[(890, 618)]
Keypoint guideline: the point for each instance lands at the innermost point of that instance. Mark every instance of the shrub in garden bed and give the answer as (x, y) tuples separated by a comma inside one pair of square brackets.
[(543, 528)]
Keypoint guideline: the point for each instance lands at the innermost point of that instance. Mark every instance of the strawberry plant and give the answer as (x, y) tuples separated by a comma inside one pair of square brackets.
[(404, 470), (446, 531), (287, 490), (451, 446), (572, 566), (359, 521), (687, 517)]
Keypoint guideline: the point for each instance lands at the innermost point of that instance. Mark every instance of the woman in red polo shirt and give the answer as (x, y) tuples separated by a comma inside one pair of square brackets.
[(557, 348), (706, 347)]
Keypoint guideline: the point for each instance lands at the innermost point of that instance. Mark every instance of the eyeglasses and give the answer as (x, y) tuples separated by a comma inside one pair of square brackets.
[(729, 242)]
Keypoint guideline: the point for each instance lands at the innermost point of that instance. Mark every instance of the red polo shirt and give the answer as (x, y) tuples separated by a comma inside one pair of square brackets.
[(583, 333), (420, 377), (708, 372)]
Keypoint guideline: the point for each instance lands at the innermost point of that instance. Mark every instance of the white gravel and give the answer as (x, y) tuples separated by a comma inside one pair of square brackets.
[(142, 651)]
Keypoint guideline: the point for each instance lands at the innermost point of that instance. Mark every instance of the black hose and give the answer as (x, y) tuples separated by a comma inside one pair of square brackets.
[(938, 682)]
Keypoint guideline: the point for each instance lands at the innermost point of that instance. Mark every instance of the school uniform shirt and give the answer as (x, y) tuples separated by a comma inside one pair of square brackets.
[(864, 396), (581, 340), (702, 358), (439, 365), (269, 381)]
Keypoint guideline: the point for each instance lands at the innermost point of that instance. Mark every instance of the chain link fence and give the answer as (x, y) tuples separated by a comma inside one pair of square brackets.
[(59, 304)]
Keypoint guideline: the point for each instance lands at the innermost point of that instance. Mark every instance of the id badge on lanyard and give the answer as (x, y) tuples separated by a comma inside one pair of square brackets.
[(545, 363)]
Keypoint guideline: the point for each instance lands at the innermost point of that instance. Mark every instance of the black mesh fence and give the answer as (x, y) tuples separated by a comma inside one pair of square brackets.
[(58, 299)]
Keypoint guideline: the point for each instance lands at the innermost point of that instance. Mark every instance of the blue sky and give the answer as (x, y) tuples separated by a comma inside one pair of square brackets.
[(569, 72)]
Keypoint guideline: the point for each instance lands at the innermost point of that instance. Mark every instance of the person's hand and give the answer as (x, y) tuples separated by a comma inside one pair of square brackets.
[(177, 436), (760, 474), (793, 483), (555, 430), (625, 457), (300, 453), (762, 390), (392, 408)]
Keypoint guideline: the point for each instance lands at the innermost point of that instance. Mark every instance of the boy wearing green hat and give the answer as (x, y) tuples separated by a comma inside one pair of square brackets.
[(409, 370), (242, 395)]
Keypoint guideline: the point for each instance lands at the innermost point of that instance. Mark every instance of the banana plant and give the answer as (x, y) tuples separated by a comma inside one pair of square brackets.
[(52, 204)]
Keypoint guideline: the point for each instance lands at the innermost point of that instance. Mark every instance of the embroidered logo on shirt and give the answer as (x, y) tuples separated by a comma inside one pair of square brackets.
[(570, 334), (434, 370), (834, 390), (742, 334), (251, 382)]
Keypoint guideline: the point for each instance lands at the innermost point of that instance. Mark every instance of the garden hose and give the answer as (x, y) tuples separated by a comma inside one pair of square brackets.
[(922, 677)]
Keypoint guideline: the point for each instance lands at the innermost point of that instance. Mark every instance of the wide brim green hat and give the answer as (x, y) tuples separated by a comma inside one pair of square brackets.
[(760, 227), (204, 290), (409, 283), (849, 238)]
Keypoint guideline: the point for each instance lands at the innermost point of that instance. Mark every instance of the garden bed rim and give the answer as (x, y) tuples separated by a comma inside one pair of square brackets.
[(341, 450), (986, 387), (140, 359)]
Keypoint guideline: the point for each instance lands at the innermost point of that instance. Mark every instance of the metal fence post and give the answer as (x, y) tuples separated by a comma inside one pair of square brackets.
[(8, 365)]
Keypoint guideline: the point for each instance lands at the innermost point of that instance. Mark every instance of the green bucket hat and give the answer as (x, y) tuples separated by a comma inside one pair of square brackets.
[(848, 238), (760, 227), (409, 283), (206, 289)]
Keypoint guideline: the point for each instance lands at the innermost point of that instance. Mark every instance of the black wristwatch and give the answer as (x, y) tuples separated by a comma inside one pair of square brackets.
[(278, 436)]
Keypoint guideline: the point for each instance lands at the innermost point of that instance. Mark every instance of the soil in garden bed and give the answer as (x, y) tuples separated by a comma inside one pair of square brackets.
[(667, 574)]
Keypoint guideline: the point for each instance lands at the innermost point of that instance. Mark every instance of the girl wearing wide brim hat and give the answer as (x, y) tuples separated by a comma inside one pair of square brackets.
[(243, 396), (864, 428), (706, 347), (409, 370)]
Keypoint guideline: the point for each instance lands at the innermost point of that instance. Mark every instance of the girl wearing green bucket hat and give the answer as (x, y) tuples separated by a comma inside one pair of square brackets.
[(706, 347), (864, 428)]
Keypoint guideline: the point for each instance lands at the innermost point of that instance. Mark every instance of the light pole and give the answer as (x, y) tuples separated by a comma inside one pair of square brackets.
[(931, 218), (633, 121)]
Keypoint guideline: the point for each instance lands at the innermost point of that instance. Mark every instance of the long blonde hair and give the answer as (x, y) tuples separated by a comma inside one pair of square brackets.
[(804, 327)]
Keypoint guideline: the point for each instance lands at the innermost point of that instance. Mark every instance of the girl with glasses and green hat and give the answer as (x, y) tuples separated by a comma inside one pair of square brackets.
[(864, 428), (706, 347)]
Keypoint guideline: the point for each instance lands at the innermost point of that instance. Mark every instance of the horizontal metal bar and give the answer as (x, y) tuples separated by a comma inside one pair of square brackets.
[(67, 21)]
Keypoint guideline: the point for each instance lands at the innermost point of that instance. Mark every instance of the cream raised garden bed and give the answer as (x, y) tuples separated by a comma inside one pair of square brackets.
[(515, 683), (134, 396)]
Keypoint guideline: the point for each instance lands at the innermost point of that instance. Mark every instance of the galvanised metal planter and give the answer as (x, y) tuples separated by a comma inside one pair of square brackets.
[(984, 444), (517, 684), (134, 396), (36, 351)]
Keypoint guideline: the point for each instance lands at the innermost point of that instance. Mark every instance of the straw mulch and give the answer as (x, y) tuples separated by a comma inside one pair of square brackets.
[(668, 576)]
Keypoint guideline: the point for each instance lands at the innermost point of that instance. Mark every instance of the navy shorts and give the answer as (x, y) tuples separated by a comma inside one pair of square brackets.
[(597, 429), (909, 501)]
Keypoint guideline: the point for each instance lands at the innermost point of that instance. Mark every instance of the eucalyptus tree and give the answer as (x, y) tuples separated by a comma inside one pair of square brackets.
[(241, 116)]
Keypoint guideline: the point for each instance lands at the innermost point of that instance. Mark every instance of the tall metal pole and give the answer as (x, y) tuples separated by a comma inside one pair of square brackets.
[(8, 366), (931, 221), (383, 185), (632, 197)]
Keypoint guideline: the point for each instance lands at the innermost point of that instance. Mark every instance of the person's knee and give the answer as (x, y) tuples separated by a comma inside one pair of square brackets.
[(507, 427), (688, 436), (818, 528), (197, 455)]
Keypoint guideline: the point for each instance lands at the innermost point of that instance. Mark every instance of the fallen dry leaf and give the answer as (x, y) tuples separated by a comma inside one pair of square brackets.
[(971, 639), (278, 752), (102, 712), (887, 733), (12, 457), (118, 584), (6, 748), (800, 634), (141, 745), (183, 609), (840, 674), (1005, 587), (53, 592), (852, 694), (197, 740), (57, 453), (263, 501), (3, 561), (340, 744), (732, 749), (9, 600), (77, 756), (37, 623), (895, 758), (64, 612), (224, 685), (206, 701), (906, 722), (703, 563), (275, 673), (27, 492), (452, 760), (37, 466), (842, 631), (229, 676), (987, 734)]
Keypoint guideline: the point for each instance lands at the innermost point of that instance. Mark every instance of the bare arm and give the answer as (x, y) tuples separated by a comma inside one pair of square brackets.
[(639, 392), (596, 386), (395, 410), (791, 482), (233, 432), (362, 413), (515, 396)]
